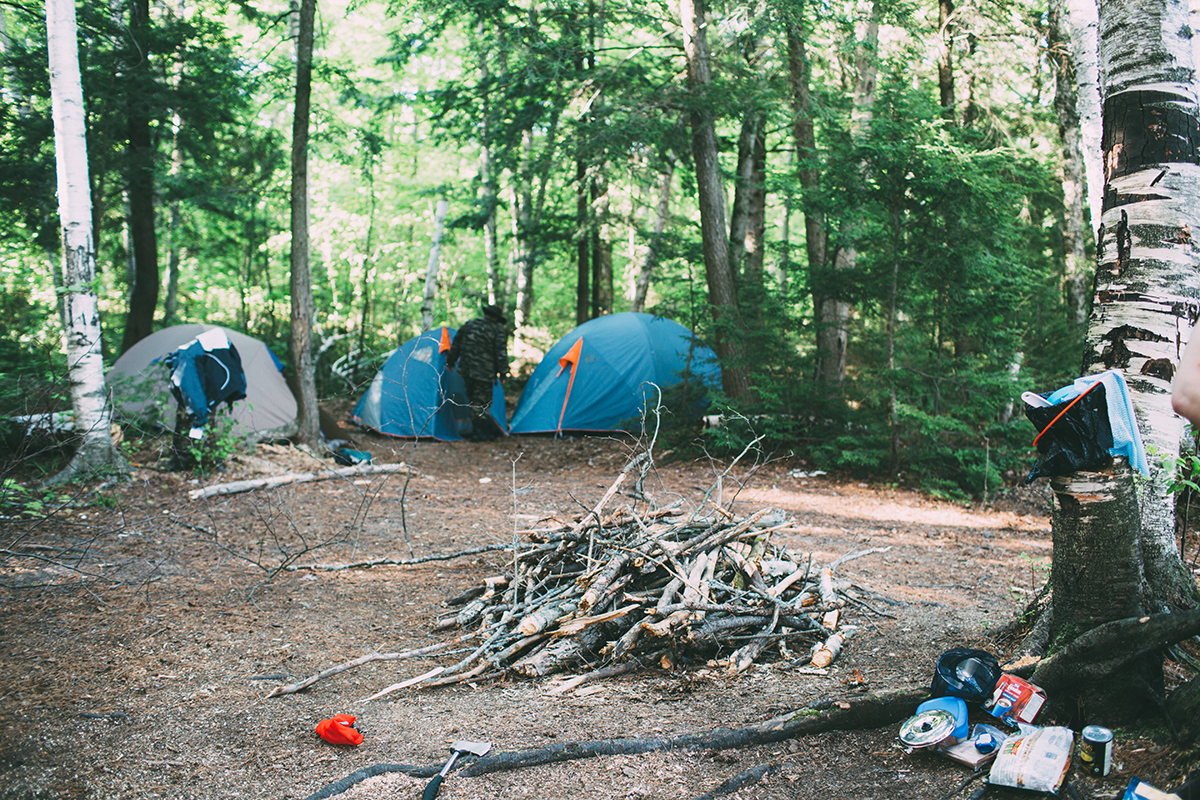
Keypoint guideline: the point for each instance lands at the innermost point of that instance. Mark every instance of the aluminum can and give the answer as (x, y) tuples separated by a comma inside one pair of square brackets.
[(1095, 749)]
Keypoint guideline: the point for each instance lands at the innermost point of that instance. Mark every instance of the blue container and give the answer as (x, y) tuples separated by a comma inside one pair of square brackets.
[(957, 708)]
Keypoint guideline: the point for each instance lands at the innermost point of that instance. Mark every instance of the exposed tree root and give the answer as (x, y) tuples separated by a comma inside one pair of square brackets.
[(1108, 647), (849, 713), (742, 779)]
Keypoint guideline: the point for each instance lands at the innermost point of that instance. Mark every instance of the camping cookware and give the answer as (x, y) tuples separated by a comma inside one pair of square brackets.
[(457, 748)]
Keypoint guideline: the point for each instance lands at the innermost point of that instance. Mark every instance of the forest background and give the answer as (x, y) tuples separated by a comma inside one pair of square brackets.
[(902, 188)]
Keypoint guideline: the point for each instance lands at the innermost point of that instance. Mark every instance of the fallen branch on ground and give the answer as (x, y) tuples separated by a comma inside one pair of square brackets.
[(292, 688), (849, 713), (236, 487)]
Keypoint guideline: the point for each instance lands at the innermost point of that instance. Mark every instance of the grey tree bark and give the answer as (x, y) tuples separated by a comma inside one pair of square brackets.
[(722, 289), (1076, 231), (301, 343), (662, 212), (435, 261), (81, 335), (139, 184)]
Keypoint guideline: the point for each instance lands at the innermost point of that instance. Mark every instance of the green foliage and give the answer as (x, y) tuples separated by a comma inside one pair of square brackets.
[(19, 499), (958, 222)]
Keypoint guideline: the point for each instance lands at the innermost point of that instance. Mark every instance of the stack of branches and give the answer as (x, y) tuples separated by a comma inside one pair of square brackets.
[(626, 589)]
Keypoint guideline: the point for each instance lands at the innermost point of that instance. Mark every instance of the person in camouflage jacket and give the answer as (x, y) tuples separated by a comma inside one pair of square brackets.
[(480, 351)]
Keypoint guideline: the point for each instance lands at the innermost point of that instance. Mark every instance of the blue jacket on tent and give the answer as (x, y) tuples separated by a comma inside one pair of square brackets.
[(413, 395), (206, 372), (600, 376)]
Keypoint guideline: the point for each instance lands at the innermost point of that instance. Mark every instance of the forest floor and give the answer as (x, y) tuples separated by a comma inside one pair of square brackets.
[(140, 635)]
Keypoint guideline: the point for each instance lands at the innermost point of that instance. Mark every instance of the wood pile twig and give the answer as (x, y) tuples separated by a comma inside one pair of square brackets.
[(614, 591)]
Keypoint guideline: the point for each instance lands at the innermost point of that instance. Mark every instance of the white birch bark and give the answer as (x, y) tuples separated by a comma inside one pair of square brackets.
[(81, 335), (1083, 24), (431, 270), (1147, 284)]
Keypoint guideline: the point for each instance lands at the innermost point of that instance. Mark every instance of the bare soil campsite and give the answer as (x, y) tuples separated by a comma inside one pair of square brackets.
[(150, 630)]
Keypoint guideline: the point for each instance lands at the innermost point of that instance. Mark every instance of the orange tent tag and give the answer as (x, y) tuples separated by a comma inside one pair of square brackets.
[(572, 358), (444, 345)]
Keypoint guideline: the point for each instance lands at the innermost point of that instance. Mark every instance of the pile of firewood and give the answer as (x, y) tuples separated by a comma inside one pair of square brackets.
[(658, 587)]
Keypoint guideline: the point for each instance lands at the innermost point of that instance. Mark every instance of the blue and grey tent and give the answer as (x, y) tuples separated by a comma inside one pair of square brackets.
[(600, 376), (140, 382), (413, 395)]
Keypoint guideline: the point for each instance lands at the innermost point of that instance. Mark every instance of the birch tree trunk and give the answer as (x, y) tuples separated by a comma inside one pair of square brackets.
[(722, 290), (431, 269), (1109, 559), (1147, 285), (303, 363), (81, 336)]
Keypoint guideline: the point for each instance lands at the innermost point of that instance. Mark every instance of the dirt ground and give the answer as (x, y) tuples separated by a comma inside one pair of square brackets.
[(141, 634)]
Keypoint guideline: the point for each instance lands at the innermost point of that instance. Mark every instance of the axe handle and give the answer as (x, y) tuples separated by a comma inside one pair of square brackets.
[(431, 788)]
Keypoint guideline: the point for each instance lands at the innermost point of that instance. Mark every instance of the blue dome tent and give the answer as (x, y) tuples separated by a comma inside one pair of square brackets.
[(598, 377), (413, 395)]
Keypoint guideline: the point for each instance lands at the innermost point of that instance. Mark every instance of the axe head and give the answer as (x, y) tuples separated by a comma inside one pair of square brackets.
[(474, 748)]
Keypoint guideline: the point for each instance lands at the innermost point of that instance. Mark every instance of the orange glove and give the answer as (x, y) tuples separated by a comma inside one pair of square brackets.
[(339, 730)]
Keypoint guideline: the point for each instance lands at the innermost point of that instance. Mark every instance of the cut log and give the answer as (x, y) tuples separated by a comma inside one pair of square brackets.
[(236, 487)]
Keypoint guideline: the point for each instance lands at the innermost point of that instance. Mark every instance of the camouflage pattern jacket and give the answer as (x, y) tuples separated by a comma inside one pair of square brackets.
[(480, 350)]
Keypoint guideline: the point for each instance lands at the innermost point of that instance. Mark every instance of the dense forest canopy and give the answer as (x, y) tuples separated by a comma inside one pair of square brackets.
[(891, 181)]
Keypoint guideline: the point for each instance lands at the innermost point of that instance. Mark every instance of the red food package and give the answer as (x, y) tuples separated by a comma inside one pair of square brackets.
[(339, 730)]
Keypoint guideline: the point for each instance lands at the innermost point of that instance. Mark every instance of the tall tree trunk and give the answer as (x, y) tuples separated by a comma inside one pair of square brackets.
[(661, 213), (743, 187), (487, 181), (143, 297), (303, 363), (1147, 297), (431, 269), (1151, 147), (1075, 231), (81, 337), (756, 222), (722, 289), (1083, 23), (602, 249), (583, 244), (945, 62)]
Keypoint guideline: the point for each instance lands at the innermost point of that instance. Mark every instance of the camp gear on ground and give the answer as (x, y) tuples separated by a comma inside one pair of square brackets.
[(141, 393), (1015, 700), (927, 728), (966, 673), (339, 729), (414, 395), (979, 749), (348, 458), (602, 375), (957, 708), (457, 748), (1036, 760)]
